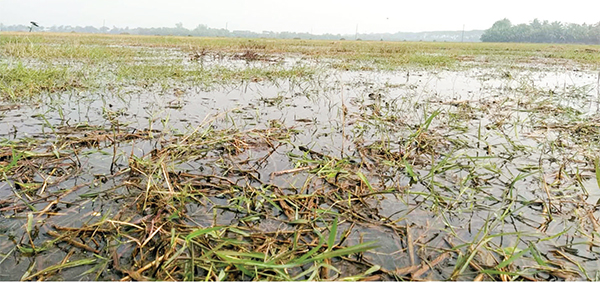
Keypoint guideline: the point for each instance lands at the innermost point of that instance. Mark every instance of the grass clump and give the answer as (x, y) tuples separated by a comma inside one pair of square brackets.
[(219, 75), (21, 83), (170, 226), (66, 52)]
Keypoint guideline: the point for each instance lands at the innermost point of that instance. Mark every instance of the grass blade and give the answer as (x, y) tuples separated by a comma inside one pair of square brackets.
[(201, 232), (332, 234)]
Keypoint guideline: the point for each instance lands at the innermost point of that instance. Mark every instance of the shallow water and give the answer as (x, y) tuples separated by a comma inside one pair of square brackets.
[(502, 142)]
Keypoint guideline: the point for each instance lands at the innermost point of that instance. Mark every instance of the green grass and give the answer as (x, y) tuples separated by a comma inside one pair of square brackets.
[(209, 76), (61, 60), (405, 185), (90, 45), (67, 51), (21, 83)]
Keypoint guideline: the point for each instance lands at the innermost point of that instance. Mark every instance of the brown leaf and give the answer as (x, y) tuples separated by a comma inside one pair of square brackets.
[(425, 267), (406, 270), (371, 278)]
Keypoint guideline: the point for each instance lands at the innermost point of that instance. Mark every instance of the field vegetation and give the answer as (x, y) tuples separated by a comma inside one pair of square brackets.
[(179, 158)]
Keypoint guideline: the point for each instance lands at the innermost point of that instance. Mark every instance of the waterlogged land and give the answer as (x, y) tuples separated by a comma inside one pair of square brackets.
[(179, 158)]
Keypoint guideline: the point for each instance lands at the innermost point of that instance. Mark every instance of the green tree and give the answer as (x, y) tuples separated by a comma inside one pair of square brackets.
[(536, 31), (499, 32)]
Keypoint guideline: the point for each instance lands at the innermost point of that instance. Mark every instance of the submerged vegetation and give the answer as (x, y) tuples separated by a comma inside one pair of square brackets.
[(176, 158)]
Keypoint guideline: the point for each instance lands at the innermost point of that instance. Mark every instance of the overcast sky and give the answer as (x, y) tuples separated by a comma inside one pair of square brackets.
[(318, 16)]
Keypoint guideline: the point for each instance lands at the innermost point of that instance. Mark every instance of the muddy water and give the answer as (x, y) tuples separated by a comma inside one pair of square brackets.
[(314, 108)]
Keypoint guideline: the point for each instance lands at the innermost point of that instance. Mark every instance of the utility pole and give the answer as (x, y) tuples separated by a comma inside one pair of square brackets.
[(226, 23), (356, 33), (462, 38)]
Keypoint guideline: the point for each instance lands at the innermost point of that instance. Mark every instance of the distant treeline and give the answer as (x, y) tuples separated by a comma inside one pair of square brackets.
[(202, 30), (542, 32)]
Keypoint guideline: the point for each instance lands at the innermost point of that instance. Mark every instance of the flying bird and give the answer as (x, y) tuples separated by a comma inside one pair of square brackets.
[(33, 24)]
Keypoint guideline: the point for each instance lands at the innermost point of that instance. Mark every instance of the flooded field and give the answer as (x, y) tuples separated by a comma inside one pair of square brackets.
[(165, 158)]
